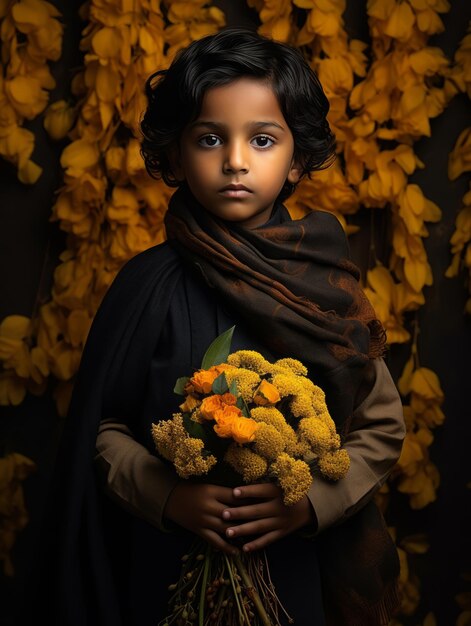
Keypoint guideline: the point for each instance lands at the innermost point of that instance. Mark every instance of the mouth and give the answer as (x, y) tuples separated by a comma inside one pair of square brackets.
[(235, 191)]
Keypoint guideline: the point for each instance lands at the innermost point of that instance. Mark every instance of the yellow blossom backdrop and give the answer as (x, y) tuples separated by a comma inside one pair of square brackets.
[(389, 83)]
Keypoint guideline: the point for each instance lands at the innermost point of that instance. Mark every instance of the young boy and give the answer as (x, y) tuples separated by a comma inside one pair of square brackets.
[(235, 123)]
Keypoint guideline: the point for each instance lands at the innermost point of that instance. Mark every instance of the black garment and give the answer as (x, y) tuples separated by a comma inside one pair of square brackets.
[(97, 565), (194, 319)]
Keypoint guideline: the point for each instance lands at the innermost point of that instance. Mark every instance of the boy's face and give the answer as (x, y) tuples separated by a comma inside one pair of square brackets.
[(240, 138)]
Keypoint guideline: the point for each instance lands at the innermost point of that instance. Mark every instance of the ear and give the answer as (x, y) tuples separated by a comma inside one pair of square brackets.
[(173, 155), (295, 172)]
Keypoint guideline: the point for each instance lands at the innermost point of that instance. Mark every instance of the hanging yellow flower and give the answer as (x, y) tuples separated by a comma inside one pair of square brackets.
[(58, 119), (26, 79), (14, 469)]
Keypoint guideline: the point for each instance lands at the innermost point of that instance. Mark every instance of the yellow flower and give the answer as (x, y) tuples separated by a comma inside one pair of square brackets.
[(77, 327), (26, 95), (270, 415), (336, 76), (400, 22), (317, 434), (250, 465), (324, 19), (37, 20), (390, 300), (58, 119), (15, 331), (294, 477), (123, 206), (189, 459), (460, 158), (275, 18), (269, 442), (12, 388), (428, 61), (301, 405), (411, 249), (251, 360), (293, 365), (79, 156), (415, 208), (246, 380), (287, 384), (426, 384), (14, 468), (168, 435), (190, 21), (334, 465), (266, 393), (460, 239), (331, 190)]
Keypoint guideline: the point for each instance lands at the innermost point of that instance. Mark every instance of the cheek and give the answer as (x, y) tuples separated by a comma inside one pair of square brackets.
[(202, 164)]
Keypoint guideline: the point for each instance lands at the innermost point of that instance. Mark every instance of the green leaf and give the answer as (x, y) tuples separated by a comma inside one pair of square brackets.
[(233, 388), (220, 385), (218, 350), (194, 429), (180, 385), (243, 406)]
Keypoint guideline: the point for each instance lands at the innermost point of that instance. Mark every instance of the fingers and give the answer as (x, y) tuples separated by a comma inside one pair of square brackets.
[(263, 541), (224, 495), (252, 511), (255, 527), (217, 541), (258, 490)]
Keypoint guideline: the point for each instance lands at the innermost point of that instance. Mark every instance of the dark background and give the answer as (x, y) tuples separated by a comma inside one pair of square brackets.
[(29, 249)]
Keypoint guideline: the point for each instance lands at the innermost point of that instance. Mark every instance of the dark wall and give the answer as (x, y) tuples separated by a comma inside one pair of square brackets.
[(29, 249)]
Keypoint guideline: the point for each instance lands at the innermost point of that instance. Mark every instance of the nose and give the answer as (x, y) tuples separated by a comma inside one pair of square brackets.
[(235, 157)]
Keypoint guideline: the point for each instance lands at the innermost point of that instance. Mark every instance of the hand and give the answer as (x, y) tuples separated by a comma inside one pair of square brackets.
[(199, 507), (267, 516)]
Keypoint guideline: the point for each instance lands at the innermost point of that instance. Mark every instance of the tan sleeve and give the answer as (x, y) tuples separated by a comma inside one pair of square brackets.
[(131, 475), (374, 444)]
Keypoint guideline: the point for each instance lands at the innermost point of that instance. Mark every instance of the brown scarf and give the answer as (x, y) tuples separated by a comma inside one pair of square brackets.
[(294, 285)]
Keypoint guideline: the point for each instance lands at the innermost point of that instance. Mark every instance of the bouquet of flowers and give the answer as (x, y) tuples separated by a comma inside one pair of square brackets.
[(244, 419)]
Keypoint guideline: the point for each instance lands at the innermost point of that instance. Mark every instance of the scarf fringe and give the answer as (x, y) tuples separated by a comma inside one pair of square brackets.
[(379, 614)]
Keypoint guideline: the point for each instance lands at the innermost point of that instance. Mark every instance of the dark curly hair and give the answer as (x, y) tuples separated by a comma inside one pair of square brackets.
[(175, 97)]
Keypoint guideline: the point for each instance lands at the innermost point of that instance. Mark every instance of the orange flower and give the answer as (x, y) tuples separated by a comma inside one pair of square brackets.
[(210, 405), (190, 403), (202, 380), (223, 426), (228, 398), (266, 393), (222, 367), (226, 421), (227, 411), (243, 429)]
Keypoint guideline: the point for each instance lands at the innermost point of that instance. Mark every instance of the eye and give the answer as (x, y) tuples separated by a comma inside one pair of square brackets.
[(209, 141), (263, 141)]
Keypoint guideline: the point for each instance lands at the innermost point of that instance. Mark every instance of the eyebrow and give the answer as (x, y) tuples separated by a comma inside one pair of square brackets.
[(217, 126)]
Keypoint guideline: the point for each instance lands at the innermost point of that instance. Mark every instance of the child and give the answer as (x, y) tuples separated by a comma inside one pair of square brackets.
[(235, 123)]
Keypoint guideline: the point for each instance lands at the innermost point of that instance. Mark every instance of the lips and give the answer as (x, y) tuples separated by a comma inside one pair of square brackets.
[(235, 187)]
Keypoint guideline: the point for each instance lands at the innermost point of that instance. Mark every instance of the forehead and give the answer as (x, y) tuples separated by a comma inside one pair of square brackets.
[(239, 102)]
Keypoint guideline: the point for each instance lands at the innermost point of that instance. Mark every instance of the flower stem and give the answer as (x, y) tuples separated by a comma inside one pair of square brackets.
[(240, 604), (251, 591), (203, 586)]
